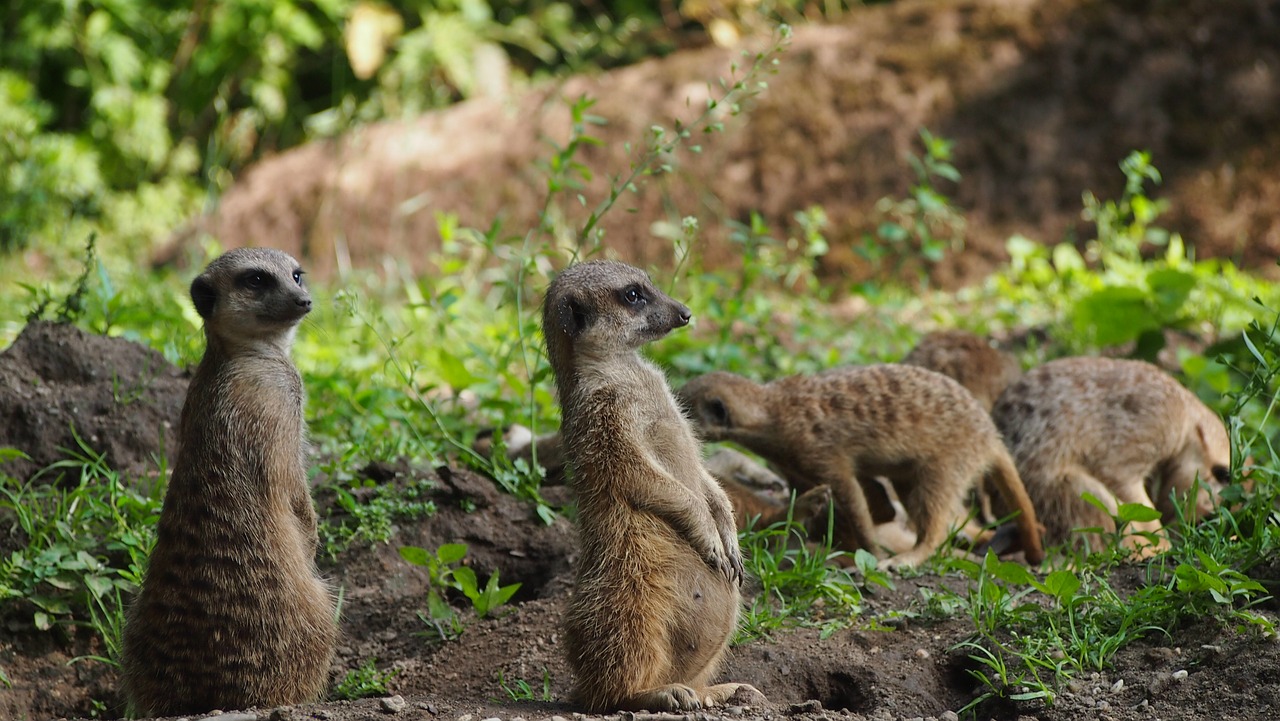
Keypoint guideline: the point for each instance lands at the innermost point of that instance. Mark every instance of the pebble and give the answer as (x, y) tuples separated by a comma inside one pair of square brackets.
[(1103, 705), (922, 654), (392, 704), (1179, 674), (949, 716), (559, 718), (1115, 687), (493, 718), (809, 706), (284, 713), (734, 711), (465, 717)]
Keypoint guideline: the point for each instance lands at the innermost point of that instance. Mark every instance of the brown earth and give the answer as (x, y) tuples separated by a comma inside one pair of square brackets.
[(905, 673), (1042, 98)]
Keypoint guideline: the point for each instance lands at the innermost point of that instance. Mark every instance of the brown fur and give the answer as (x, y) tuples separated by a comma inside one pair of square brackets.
[(917, 428), (984, 371), (740, 476), (656, 597), (231, 613), (1122, 430), (969, 360)]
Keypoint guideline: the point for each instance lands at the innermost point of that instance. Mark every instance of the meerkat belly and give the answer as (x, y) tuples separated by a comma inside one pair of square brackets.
[(645, 582)]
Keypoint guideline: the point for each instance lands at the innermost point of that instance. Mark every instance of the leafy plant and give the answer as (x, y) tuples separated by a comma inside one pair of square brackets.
[(521, 690), (364, 682), (369, 516), (444, 572)]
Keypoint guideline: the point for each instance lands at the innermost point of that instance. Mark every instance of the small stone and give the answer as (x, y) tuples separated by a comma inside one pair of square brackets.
[(922, 653), (1117, 686), (949, 716), (1142, 704), (493, 718), (813, 705), (284, 713), (323, 715), (1179, 674), (768, 655), (465, 717), (785, 670), (1103, 705), (734, 710), (392, 704), (916, 718), (1159, 656), (559, 718)]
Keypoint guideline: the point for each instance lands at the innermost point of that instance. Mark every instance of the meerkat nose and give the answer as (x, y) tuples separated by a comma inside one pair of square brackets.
[(304, 303), (684, 314)]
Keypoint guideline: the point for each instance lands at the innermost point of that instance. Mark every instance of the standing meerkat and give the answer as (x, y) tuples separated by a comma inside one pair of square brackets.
[(1122, 430), (921, 430), (232, 613), (656, 597)]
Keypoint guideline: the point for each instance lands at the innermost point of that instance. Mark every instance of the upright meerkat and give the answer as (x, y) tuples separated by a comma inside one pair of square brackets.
[(921, 430), (1122, 430), (656, 597), (232, 613)]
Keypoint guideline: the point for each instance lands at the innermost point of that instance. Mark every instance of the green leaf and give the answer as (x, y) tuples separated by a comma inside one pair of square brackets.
[(1170, 288), (1115, 314), (453, 372), (451, 552), (416, 556), (1136, 513), (466, 580)]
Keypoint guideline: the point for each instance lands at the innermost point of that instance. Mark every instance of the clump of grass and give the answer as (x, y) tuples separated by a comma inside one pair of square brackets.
[(364, 682), (800, 583), (87, 534), (521, 690), (365, 512)]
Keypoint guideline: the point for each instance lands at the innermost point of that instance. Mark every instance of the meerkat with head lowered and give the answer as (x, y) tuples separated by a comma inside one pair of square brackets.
[(656, 597), (1121, 430), (921, 430), (232, 613)]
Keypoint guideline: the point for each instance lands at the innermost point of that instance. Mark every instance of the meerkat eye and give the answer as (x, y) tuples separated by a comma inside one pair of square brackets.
[(633, 296), (255, 280), (1221, 473), (297, 277)]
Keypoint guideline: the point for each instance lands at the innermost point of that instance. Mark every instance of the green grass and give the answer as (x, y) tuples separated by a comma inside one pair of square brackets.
[(364, 682), (409, 369)]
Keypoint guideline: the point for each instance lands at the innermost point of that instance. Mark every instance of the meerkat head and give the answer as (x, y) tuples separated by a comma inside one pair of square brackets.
[(602, 307), (722, 403), (251, 295)]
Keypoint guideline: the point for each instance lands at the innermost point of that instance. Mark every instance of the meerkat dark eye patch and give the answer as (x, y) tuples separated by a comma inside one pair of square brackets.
[(717, 413), (255, 280), (297, 275), (1221, 473)]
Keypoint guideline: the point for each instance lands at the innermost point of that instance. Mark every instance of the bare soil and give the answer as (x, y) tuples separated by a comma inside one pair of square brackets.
[(1043, 98), (905, 673)]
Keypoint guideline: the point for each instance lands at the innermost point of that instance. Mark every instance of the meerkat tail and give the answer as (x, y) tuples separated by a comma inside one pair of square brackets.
[(1015, 495)]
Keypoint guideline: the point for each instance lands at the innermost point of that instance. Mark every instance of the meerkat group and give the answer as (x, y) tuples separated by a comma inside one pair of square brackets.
[(232, 612)]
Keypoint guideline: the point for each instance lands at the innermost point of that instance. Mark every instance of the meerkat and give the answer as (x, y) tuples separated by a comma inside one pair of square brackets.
[(984, 371), (919, 429), (749, 484), (232, 613), (656, 596), (1122, 430), (969, 360)]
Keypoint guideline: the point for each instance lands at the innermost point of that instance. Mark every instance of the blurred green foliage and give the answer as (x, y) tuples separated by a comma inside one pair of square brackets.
[(120, 115)]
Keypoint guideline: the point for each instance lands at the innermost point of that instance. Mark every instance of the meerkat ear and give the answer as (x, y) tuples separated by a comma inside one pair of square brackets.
[(572, 316), (203, 296)]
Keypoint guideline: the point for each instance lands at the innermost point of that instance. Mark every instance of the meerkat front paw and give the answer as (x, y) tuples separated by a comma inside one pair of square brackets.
[(672, 697)]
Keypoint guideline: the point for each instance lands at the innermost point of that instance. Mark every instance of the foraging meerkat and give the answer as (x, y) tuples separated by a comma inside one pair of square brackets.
[(984, 371), (920, 429), (1122, 430), (231, 613), (656, 597)]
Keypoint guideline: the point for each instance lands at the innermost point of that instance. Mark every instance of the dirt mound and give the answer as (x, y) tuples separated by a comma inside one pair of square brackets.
[(1042, 99), (57, 381)]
